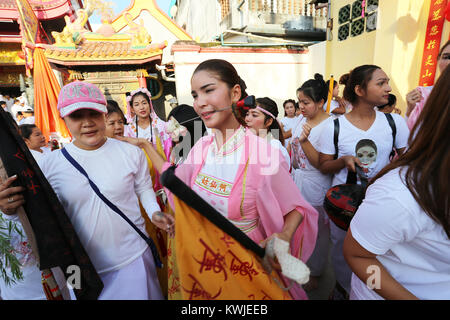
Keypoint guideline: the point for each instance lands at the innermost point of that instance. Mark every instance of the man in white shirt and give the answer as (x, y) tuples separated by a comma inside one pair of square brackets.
[(28, 116), (9, 101), (15, 108)]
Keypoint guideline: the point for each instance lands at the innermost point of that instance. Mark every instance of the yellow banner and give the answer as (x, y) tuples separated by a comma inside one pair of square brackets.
[(29, 23), (214, 266)]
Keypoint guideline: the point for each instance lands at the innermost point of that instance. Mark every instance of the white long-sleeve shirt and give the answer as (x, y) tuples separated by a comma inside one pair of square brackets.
[(121, 172)]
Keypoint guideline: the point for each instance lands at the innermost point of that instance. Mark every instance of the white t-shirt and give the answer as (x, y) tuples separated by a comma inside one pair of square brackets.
[(37, 155), (29, 120), (30, 288), (15, 108), (277, 144), (374, 145), (413, 248), (312, 183), (333, 105), (147, 133), (288, 124), (9, 103), (120, 171)]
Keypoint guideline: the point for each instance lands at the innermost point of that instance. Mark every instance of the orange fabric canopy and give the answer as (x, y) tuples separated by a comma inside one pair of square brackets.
[(46, 90)]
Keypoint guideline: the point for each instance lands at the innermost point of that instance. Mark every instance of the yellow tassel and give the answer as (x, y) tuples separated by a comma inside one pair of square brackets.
[(330, 93)]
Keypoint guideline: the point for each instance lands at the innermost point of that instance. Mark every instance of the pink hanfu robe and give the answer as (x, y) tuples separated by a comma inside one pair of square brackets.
[(263, 192)]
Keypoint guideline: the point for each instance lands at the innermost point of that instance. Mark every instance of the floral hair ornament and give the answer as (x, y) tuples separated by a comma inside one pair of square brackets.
[(241, 108), (145, 91), (175, 130)]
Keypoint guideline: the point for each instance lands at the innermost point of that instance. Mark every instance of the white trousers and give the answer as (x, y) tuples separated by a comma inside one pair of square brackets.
[(136, 281)]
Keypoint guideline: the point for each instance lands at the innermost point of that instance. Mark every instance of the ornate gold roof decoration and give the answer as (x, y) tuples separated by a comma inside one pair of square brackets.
[(76, 44), (75, 75), (11, 54)]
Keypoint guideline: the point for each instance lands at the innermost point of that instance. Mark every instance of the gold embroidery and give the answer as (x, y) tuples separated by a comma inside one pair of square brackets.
[(243, 189), (301, 248), (214, 185), (231, 145)]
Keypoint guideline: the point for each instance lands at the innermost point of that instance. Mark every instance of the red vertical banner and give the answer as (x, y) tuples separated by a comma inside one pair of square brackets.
[(433, 37)]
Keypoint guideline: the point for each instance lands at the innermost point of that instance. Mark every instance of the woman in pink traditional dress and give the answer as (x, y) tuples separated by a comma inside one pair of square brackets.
[(240, 174), (417, 98)]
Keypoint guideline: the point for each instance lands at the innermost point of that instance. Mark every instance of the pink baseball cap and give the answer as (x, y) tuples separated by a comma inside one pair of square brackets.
[(80, 95)]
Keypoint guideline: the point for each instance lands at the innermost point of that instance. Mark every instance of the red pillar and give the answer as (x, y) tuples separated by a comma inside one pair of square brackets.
[(142, 82)]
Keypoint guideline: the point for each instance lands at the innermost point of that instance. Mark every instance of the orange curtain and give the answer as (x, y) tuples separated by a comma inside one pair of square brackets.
[(46, 90)]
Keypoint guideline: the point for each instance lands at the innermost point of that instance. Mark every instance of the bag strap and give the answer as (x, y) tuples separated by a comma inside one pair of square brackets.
[(336, 137), (391, 122), (351, 176), (148, 240)]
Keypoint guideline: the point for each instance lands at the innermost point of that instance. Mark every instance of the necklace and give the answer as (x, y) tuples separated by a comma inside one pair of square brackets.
[(151, 129)]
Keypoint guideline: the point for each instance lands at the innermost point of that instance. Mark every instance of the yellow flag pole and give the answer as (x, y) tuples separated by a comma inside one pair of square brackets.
[(330, 94)]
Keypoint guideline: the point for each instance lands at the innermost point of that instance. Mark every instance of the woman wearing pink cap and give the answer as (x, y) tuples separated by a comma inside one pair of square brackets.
[(120, 171)]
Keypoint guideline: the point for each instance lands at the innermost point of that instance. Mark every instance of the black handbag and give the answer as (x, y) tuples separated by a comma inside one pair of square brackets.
[(342, 201)]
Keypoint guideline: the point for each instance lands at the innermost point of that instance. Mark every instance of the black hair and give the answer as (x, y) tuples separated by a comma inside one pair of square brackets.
[(139, 94), (392, 99), (315, 89), (2, 102), (186, 115), (271, 106), (442, 48), (226, 73), (327, 84), (289, 101), (113, 107), (26, 130), (366, 142), (360, 76), (150, 116)]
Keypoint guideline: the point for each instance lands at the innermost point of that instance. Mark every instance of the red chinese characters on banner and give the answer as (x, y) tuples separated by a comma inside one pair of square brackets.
[(432, 42), (214, 266), (27, 175)]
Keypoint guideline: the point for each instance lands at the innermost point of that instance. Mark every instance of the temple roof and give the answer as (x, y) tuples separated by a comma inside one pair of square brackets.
[(103, 53), (44, 9)]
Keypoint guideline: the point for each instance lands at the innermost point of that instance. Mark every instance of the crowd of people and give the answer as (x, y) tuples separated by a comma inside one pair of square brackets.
[(402, 227)]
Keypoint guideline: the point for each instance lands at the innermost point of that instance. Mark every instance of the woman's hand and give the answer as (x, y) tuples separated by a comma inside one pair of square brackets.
[(350, 161), (280, 235), (274, 262), (139, 142), (342, 102), (305, 133), (10, 198), (412, 98), (165, 222)]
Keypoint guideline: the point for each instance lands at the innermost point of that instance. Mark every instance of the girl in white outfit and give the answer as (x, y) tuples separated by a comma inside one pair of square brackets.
[(366, 139), (289, 121), (398, 244), (34, 140), (312, 183)]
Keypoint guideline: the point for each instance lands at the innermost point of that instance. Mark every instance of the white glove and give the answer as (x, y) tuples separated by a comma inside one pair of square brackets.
[(291, 267)]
